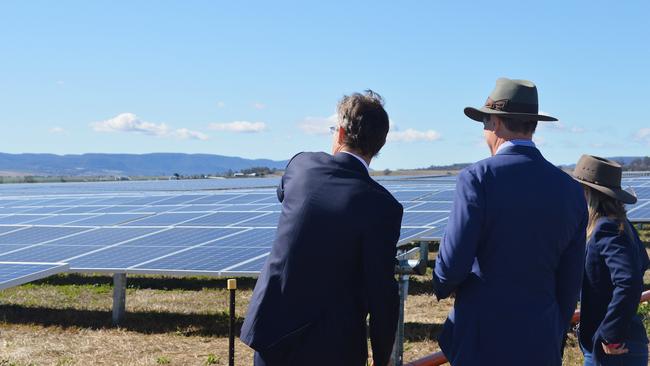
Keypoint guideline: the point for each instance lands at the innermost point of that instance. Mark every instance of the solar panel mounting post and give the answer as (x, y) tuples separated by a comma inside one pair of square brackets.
[(398, 346), (232, 288), (119, 297)]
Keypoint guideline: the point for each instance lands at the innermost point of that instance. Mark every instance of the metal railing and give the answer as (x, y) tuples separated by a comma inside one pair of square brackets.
[(438, 358)]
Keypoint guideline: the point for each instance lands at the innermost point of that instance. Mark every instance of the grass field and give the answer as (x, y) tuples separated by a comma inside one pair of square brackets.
[(65, 320)]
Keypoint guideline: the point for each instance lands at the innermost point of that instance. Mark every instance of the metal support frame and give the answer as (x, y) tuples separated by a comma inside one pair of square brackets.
[(407, 265), (119, 297)]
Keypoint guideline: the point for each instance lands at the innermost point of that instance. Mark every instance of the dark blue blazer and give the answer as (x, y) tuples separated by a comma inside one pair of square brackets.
[(332, 264), (612, 287), (513, 254)]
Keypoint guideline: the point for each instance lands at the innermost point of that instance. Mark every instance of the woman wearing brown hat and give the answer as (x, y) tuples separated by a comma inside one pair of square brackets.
[(610, 331)]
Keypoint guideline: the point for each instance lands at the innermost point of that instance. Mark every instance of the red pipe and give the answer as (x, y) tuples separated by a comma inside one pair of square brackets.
[(438, 358)]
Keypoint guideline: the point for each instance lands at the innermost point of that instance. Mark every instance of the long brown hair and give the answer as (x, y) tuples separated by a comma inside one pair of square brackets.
[(601, 205)]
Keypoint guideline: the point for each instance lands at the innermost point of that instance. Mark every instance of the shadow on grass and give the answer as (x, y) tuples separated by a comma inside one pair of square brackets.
[(149, 282), (143, 322), (215, 325), (416, 332), (420, 286)]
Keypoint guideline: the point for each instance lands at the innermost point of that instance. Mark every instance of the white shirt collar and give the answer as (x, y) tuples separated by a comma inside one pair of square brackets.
[(528, 143), (358, 158)]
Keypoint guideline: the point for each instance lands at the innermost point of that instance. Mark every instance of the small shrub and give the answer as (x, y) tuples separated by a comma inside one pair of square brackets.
[(212, 359), (163, 360)]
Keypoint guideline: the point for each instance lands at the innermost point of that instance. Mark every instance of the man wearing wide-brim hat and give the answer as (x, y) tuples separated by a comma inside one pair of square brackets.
[(513, 250)]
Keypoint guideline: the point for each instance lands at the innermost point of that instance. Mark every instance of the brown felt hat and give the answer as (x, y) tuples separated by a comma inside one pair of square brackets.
[(602, 175), (514, 99)]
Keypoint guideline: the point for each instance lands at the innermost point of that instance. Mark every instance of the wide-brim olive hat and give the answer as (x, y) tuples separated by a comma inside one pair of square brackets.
[(513, 99), (602, 175)]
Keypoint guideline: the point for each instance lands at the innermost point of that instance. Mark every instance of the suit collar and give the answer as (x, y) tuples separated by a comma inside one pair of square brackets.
[(529, 151), (351, 162)]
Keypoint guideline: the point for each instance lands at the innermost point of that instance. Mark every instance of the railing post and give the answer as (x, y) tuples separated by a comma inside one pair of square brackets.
[(232, 288), (119, 297), (398, 347)]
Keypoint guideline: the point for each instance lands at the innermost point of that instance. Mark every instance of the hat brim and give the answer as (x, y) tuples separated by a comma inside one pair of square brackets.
[(617, 194), (478, 114)]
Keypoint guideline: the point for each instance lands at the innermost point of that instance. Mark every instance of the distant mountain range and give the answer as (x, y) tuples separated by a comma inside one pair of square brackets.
[(156, 164), (625, 161)]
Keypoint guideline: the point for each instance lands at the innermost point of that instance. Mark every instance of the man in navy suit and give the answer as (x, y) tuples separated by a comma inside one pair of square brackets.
[(513, 250), (333, 259)]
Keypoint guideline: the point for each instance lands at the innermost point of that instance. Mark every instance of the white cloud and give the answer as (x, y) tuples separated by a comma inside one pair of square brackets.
[(318, 125), (185, 134), (559, 126), (239, 126), (57, 130), (412, 135), (258, 105), (643, 135), (129, 122)]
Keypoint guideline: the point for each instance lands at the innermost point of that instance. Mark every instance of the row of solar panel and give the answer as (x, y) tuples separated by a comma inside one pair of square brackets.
[(145, 250), (146, 243), (431, 194), (205, 219), (119, 249)]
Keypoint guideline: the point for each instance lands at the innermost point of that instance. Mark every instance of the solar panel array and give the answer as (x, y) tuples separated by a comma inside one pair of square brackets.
[(186, 231)]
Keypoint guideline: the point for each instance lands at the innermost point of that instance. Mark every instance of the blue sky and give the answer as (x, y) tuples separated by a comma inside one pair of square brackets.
[(261, 79)]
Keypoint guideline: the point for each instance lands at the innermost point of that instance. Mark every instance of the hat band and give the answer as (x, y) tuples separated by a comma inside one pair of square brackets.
[(506, 105), (597, 182)]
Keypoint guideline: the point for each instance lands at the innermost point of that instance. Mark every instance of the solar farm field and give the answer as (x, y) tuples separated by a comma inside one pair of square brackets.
[(177, 242)]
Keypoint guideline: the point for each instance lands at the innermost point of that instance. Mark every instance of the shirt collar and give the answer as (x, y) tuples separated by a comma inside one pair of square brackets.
[(358, 158), (509, 143)]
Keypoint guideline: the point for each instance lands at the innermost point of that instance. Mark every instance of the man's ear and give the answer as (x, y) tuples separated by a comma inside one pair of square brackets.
[(340, 137), (497, 126)]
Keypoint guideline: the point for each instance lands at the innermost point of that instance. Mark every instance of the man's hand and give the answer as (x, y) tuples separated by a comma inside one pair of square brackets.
[(615, 349)]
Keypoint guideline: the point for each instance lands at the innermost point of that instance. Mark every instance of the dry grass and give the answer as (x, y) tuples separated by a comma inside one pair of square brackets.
[(65, 320)]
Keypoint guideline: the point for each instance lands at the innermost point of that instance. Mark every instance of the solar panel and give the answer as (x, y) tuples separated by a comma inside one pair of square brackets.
[(14, 210), (110, 219), (431, 206), (184, 237), (252, 198), (217, 198), (223, 219), (45, 210), (104, 236), (269, 219), (252, 238), (165, 219), (19, 219), (202, 260), (6, 229), (410, 233), (118, 258), (37, 234), (47, 253), (411, 218), (115, 209), (155, 209), (14, 274), (250, 267), (186, 198), (8, 248), (60, 219)]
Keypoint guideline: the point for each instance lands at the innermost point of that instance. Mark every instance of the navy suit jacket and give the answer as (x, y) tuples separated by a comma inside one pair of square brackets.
[(513, 253), (616, 262), (332, 264)]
